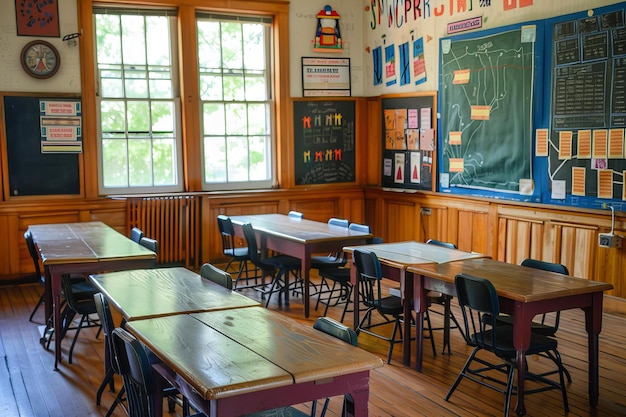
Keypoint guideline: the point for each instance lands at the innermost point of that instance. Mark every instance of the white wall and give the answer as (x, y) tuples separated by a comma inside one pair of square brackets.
[(13, 77)]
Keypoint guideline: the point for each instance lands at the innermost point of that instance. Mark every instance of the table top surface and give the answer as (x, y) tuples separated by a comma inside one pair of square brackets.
[(84, 242), (404, 254), (300, 230), (146, 293), (229, 352), (512, 281)]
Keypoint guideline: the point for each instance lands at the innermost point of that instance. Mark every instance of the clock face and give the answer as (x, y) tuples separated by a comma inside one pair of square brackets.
[(40, 59)]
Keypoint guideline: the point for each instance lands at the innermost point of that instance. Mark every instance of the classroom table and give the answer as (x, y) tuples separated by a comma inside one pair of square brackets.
[(244, 360), (300, 238), (147, 293), (395, 258), (88, 247), (524, 293)]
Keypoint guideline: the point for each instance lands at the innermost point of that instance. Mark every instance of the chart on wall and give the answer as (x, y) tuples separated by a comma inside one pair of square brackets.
[(584, 145), (324, 142), (409, 142), (487, 88)]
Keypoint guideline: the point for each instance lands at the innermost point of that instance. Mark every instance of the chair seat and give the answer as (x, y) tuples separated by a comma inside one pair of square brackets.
[(505, 347), (390, 305), (537, 328)]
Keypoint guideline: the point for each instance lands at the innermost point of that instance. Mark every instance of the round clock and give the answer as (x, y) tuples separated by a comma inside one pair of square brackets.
[(40, 59)]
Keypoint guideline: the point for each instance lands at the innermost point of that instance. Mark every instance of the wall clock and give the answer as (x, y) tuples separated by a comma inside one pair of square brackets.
[(40, 59)]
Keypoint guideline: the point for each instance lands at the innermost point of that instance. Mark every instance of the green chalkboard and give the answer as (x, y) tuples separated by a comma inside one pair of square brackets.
[(486, 105), (31, 172), (324, 142)]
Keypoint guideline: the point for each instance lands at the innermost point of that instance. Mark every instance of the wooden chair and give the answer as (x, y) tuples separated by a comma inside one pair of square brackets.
[(480, 306)]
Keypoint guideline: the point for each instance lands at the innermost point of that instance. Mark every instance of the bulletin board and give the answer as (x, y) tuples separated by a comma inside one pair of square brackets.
[(537, 111), (324, 141), (30, 171), (409, 141)]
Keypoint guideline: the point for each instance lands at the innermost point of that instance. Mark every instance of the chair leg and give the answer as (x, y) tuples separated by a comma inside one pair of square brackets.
[(118, 400), (462, 373), (108, 380), (39, 302), (80, 325), (430, 332)]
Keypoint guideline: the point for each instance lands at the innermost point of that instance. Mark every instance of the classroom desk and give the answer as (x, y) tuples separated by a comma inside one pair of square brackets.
[(239, 361), (87, 248), (147, 293), (395, 258), (299, 238), (523, 292)]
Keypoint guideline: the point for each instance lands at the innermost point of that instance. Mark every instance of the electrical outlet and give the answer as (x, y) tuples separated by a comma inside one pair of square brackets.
[(425, 211), (609, 240)]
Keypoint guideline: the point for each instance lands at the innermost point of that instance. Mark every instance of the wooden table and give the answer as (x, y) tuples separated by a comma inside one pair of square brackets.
[(147, 293), (524, 293), (299, 238), (238, 361), (87, 248), (395, 258)]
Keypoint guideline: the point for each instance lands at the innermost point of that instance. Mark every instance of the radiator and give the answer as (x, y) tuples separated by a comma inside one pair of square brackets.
[(172, 220)]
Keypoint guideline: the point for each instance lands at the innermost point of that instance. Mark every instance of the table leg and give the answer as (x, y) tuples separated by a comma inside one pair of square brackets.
[(419, 305), (522, 323), (55, 279), (520, 360), (593, 325), (306, 265), (406, 287), (355, 294)]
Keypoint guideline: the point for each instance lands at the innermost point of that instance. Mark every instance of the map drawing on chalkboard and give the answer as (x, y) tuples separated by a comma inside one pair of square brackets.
[(486, 105), (324, 141), (588, 107)]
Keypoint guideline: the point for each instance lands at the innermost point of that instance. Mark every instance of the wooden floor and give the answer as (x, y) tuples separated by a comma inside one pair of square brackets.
[(30, 387)]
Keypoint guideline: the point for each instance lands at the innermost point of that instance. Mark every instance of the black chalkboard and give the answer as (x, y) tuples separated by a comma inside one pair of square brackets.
[(324, 142), (409, 141), (486, 103), (32, 173)]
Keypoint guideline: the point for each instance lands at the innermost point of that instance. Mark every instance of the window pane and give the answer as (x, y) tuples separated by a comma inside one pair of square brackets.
[(211, 87), (108, 45), (138, 117), (164, 156), (236, 119), (234, 88), (214, 160), (158, 35), (140, 162), (256, 88), (258, 122), (260, 164), (237, 149), (133, 40), (254, 47), (114, 164), (214, 118), (232, 53), (209, 53)]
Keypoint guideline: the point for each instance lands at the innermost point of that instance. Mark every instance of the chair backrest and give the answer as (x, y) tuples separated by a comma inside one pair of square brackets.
[(435, 242), (32, 251), (149, 243), (548, 319), (479, 304), (227, 231), (546, 266), (295, 215), (136, 371), (106, 319), (136, 234), (336, 329), (333, 221), (220, 277), (369, 275), (359, 227), (253, 250)]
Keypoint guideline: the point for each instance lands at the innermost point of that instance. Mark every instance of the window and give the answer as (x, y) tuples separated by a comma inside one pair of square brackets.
[(138, 101), (235, 93)]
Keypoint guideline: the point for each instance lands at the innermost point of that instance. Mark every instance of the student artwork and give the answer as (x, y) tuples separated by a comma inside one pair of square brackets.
[(37, 18), (327, 35)]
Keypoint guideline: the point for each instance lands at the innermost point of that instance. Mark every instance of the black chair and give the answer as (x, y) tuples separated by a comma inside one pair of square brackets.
[(234, 252), (437, 298), (549, 323), (479, 303), (136, 234), (150, 243), (135, 367), (79, 302), (77, 279), (369, 278), (278, 267), (335, 259), (214, 274), (110, 361)]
